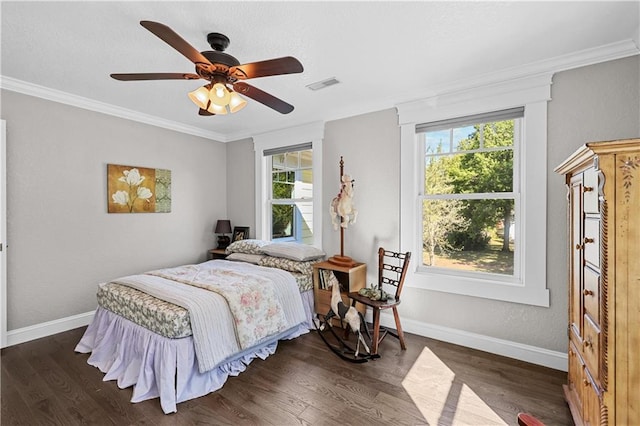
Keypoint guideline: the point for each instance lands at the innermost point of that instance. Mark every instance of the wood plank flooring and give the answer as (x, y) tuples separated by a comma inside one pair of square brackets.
[(44, 382)]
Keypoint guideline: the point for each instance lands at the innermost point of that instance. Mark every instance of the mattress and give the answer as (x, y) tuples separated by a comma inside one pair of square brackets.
[(159, 316)]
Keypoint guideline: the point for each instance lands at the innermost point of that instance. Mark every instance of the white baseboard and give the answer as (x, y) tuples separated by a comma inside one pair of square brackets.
[(528, 353), (48, 328), (519, 351)]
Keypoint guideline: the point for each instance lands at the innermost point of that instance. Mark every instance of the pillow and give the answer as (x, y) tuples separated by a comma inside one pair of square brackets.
[(246, 246), (288, 264), (293, 251), (246, 257)]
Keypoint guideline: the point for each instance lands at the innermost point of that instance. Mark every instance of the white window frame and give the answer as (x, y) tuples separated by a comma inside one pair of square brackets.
[(532, 93), (313, 133), (513, 194), (297, 225)]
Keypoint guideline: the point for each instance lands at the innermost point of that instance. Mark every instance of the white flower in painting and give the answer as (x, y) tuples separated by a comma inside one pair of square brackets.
[(121, 197), (131, 177), (144, 193)]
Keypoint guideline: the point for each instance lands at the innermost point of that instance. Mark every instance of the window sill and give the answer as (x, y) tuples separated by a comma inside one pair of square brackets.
[(480, 287)]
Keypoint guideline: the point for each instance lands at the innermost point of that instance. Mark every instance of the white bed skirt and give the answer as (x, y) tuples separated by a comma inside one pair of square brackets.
[(157, 366)]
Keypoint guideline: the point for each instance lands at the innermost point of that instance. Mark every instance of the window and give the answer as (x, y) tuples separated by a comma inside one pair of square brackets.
[(470, 196), (473, 191), (288, 180), (291, 195)]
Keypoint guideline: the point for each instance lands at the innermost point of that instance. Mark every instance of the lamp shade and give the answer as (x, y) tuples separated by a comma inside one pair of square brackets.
[(216, 109), (200, 97), (236, 103), (223, 227), (219, 95)]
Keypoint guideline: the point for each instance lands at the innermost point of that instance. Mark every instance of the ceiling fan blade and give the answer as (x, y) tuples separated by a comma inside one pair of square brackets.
[(155, 76), (174, 40), (263, 97), (204, 112), (286, 65)]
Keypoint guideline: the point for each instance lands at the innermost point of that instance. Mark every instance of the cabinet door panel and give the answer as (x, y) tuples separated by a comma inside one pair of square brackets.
[(591, 294), (591, 241), (590, 402), (575, 289), (591, 347), (575, 377), (590, 190)]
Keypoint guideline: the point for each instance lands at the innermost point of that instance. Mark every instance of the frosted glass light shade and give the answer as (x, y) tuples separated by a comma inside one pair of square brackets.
[(200, 97), (217, 109), (236, 103), (219, 95)]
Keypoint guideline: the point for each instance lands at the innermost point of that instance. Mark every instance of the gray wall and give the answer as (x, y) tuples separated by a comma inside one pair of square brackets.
[(599, 102), (62, 242), (241, 181), (369, 145)]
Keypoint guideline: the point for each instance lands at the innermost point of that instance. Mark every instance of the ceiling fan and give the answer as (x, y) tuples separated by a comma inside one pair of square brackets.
[(224, 73)]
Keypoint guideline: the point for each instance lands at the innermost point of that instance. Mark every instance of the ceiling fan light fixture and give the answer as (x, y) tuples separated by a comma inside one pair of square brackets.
[(236, 103), (200, 97), (219, 95), (217, 109)]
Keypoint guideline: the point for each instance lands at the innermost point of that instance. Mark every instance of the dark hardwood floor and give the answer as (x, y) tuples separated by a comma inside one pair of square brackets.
[(44, 382)]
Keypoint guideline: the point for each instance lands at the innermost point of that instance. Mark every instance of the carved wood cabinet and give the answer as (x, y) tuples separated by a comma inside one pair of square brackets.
[(603, 182)]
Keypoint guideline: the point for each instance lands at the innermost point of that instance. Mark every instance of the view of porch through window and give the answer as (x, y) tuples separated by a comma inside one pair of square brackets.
[(291, 196)]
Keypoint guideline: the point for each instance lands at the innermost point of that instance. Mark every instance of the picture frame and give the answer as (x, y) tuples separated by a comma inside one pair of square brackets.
[(240, 233), (134, 189)]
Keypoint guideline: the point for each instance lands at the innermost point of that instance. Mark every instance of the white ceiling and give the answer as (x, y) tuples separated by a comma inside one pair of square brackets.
[(383, 53)]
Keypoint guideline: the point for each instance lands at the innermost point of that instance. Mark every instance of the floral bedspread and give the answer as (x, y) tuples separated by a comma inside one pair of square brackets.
[(252, 300), (161, 317), (231, 305)]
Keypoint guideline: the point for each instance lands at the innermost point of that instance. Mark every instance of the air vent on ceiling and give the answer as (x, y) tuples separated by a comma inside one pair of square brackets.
[(322, 84)]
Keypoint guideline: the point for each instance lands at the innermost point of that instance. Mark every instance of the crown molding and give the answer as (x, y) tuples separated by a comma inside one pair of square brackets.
[(608, 52), (539, 69), (31, 89)]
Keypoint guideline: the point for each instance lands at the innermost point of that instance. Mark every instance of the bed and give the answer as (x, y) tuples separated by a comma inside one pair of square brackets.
[(179, 333)]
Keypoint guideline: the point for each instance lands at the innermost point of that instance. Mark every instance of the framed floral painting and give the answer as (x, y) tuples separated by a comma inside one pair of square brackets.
[(138, 189)]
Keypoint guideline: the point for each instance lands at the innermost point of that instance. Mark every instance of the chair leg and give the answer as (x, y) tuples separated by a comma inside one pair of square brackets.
[(399, 329), (376, 331)]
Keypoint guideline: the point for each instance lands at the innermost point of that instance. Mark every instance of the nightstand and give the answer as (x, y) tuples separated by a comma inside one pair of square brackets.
[(351, 278), (216, 254)]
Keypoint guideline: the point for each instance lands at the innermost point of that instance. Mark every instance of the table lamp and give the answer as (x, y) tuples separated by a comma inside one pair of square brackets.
[(223, 227)]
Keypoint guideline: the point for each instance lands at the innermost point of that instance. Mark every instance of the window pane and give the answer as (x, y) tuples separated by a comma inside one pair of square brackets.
[(293, 221), (306, 159), (303, 186), (498, 134), (291, 160), (304, 222), (469, 235), (291, 182), (282, 221), (283, 185), (437, 142), (463, 138), (479, 172), (277, 162)]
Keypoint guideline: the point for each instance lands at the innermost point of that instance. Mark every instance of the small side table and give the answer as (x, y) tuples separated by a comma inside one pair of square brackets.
[(216, 254), (351, 278)]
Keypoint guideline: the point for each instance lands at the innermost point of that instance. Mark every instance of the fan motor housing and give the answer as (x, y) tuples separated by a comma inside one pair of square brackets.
[(220, 58)]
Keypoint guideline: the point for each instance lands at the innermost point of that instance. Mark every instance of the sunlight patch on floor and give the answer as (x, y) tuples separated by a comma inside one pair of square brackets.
[(442, 398)]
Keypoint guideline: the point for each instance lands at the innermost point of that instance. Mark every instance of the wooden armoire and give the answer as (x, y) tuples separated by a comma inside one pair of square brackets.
[(603, 184)]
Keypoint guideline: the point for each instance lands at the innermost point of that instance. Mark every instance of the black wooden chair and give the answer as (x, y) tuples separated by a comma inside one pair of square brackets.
[(392, 268)]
